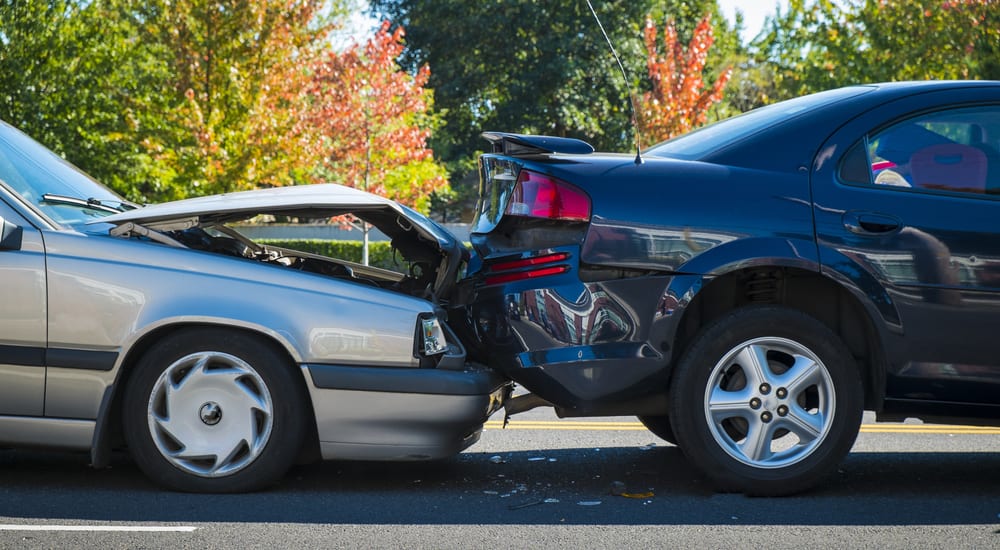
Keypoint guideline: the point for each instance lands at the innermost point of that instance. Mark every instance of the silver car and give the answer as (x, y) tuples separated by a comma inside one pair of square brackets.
[(216, 361)]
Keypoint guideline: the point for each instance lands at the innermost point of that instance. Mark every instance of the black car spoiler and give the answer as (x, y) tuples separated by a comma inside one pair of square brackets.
[(520, 144)]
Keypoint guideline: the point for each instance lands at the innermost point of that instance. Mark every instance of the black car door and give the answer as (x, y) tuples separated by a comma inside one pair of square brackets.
[(907, 210)]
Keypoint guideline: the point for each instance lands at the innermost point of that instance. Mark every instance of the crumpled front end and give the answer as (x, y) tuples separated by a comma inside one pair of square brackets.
[(388, 413)]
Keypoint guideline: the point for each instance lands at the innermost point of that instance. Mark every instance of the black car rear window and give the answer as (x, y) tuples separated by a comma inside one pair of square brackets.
[(700, 142)]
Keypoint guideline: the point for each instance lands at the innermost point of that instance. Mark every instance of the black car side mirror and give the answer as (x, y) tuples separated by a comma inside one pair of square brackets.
[(10, 235)]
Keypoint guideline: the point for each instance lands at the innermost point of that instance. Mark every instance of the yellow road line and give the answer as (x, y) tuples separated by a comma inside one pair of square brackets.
[(637, 426), (928, 429)]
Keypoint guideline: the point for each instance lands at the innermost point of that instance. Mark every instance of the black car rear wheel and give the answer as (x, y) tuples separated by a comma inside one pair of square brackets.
[(766, 401), (214, 410), (660, 426)]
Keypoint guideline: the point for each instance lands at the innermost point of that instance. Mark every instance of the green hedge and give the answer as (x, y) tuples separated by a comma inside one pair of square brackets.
[(379, 252)]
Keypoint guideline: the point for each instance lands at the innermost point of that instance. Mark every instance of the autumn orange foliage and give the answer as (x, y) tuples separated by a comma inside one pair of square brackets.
[(236, 72), (374, 120), (679, 100)]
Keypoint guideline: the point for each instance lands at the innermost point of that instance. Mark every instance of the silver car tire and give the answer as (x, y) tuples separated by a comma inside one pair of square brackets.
[(214, 410), (766, 401)]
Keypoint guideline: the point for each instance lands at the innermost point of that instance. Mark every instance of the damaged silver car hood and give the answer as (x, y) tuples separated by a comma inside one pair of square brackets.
[(307, 201)]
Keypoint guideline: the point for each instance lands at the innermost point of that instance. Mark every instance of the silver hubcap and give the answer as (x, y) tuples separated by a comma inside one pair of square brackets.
[(210, 414), (769, 402)]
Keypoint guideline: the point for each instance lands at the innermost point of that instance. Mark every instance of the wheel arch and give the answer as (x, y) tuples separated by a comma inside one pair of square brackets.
[(108, 432), (801, 289)]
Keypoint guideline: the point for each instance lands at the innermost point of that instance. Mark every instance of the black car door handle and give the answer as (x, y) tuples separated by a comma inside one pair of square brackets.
[(870, 223)]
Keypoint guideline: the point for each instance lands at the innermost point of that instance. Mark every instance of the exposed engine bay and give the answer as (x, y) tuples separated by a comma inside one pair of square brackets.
[(426, 261), (417, 278)]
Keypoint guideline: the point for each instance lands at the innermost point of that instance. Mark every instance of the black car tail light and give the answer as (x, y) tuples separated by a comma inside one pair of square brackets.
[(539, 196), (526, 268)]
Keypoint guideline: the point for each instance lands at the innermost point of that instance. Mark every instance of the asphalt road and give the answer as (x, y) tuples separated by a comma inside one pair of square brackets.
[(541, 483)]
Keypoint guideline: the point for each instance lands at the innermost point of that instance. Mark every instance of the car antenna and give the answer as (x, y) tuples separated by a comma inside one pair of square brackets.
[(628, 86)]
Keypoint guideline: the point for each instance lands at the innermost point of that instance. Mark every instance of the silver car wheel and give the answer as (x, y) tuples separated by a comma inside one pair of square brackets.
[(210, 414), (770, 402)]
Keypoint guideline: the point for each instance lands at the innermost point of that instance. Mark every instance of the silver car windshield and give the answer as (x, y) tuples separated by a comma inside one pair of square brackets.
[(51, 185)]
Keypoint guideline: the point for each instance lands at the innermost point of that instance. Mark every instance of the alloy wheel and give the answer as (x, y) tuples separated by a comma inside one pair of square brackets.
[(769, 402)]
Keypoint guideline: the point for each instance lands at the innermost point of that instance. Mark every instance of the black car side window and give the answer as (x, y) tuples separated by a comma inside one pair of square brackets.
[(855, 167), (953, 151)]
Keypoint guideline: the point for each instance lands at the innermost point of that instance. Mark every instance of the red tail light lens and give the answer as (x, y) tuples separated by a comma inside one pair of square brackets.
[(539, 196), (539, 266), (523, 275), (529, 262)]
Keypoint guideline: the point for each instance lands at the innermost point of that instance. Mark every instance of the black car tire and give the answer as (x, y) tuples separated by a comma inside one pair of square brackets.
[(808, 398), (660, 426), (214, 410)]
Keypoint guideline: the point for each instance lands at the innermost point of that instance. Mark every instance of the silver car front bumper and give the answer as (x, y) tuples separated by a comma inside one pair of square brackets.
[(388, 413)]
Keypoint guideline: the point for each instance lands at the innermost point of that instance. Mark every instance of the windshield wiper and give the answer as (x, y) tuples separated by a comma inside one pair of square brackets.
[(94, 204)]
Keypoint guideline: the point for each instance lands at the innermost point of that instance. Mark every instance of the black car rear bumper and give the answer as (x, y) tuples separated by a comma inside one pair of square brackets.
[(576, 344)]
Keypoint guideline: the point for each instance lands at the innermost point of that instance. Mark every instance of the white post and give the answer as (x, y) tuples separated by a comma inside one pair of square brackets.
[(368, 166), (364, 249)]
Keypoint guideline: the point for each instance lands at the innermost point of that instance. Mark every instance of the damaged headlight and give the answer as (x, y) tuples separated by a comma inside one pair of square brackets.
[(433, 340)]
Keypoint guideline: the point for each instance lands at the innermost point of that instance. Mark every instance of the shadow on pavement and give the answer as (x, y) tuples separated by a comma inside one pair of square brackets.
[(565, 486)]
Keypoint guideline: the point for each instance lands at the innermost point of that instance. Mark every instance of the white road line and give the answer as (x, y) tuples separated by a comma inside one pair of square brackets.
[(110, 528)]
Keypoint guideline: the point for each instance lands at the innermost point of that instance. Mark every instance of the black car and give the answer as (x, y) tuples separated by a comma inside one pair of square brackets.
[(750, 288)]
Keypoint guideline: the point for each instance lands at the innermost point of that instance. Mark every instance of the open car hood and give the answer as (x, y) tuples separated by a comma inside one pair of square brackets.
[(413, 235), (305, 201)]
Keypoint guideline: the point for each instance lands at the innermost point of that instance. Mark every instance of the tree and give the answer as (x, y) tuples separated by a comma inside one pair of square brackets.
[(520, 65), (530, 67), (375, 120), (237, 73), (821, 44), (73, 76), (679, 100), (921, 39), (164, 99)]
